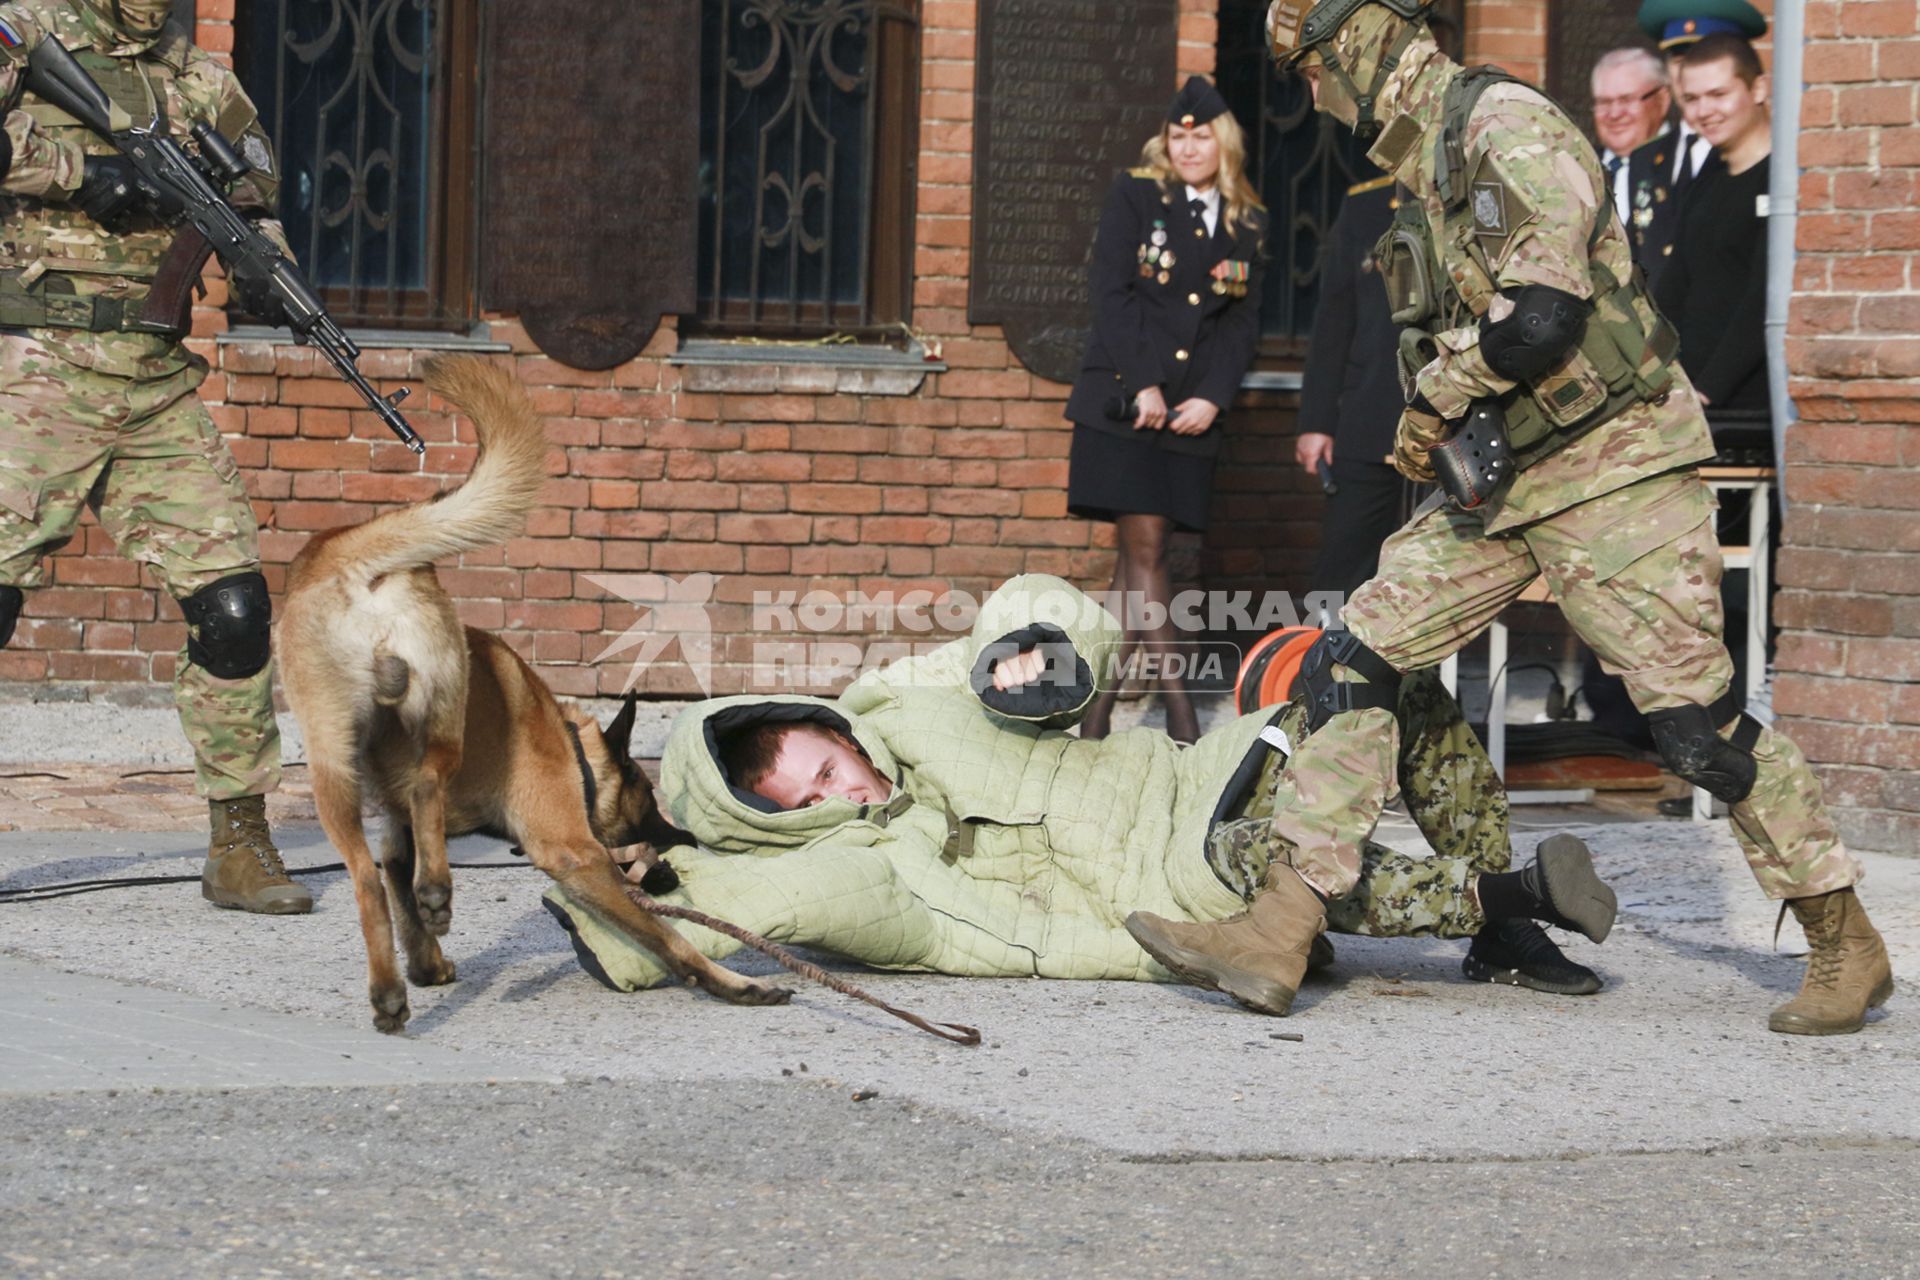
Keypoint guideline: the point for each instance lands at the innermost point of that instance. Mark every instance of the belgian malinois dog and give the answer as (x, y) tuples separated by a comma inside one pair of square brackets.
[(447, 729)]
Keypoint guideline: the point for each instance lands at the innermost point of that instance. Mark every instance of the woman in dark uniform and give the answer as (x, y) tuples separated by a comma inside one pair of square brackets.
[(1176, 315)]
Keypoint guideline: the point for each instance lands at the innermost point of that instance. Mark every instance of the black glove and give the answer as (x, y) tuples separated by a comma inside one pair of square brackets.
[(255, 295), (112, 195), (108, 192)]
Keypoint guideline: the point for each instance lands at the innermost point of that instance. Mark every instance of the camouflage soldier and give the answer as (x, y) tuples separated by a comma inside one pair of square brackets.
[(1517, 290), (99, 405)]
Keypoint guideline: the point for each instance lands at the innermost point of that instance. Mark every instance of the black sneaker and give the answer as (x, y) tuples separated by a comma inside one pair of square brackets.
[(1519, 953)]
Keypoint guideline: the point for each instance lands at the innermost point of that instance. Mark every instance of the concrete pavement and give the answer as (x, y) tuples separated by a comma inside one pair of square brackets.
[(185, 1091)]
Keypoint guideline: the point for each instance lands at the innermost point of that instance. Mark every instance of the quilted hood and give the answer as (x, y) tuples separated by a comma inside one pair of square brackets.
[(728, 819)]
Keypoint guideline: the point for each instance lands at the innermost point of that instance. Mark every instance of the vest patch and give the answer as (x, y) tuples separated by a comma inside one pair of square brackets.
[(1490, 209)]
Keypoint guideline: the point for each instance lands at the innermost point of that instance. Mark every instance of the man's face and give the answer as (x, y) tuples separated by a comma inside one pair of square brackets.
[(1628, 107), (812, 767), (1719, 104), (1328, 95)]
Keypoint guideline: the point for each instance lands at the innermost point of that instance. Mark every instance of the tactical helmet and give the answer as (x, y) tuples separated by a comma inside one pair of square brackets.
[(1298, 29)]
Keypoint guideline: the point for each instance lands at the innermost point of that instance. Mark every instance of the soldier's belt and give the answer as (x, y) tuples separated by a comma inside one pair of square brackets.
[(45, 309)]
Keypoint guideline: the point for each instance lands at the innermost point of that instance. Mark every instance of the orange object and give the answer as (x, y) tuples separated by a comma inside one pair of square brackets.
[(1267, 672)]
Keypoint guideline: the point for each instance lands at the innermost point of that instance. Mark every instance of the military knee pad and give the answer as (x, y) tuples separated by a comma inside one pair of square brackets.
[(227, 626), (1327, 697), (1689, 741), (11, 600)]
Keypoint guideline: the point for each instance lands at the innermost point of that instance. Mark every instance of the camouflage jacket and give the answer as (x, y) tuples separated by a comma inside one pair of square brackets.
[(1556, 223), (170, 78)]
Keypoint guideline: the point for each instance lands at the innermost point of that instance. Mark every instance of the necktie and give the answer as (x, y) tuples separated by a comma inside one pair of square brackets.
[(1198, 208), (1613, 169)]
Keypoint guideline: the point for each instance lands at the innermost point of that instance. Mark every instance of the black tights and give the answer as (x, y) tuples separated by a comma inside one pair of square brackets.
[(1141, 582)]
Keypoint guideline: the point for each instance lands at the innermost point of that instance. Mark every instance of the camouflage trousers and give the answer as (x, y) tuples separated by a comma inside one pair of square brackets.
[(148, 460), (1637, 573), (1452, 793)]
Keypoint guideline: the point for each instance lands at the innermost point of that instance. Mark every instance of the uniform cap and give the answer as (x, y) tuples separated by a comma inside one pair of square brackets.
[(1196, 103), (1674, 23)]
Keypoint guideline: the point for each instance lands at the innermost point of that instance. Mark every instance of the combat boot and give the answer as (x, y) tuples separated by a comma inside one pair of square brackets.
[(1848, 971), (243, 867), (1258, 957)]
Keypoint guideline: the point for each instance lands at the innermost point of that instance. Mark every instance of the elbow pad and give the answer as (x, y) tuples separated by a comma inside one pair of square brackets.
[(1544, 325)]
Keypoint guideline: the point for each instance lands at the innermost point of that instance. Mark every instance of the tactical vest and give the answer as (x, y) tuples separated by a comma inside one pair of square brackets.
[(1624, 357), (46, 247)]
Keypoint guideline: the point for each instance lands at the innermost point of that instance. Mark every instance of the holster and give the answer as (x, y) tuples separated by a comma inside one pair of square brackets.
[(1472, 465)]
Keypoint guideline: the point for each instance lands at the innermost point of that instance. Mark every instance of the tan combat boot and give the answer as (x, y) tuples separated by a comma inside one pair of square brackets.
[(1847, 968), (1258, 957), (243, 868)]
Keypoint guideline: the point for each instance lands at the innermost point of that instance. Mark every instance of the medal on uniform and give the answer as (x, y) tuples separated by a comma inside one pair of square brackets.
[(1164, 277), (1159, 235), (1230, 277), (1166, 259)]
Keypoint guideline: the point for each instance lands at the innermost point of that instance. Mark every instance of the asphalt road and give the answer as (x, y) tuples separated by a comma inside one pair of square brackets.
[(1421, 1126), (798, 1179)]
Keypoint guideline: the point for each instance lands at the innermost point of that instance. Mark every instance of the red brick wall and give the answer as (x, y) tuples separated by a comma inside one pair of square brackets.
[(959, 485), (1512, 33), (1849, 605)]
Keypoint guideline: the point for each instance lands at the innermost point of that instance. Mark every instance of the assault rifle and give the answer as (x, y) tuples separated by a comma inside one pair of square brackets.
[(181, 190)]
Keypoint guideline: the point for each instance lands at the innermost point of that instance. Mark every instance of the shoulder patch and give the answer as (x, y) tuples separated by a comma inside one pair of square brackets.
[(1498, 210), (1141, 171)]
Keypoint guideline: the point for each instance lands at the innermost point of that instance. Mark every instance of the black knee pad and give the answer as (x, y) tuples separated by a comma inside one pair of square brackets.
[(1327, 697), (11, 600), (227, 626), (1689, 741)]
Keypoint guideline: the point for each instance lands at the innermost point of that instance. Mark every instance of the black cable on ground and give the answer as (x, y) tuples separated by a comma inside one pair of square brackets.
[(70, 888)]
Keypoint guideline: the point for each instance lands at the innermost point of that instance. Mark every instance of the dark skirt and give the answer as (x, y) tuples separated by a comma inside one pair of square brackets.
[(1112, 475)]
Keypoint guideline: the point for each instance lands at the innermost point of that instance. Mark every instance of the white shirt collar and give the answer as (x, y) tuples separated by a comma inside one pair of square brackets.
[(1211, 199)]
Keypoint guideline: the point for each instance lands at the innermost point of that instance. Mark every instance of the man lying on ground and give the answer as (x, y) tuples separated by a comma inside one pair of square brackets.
[(937, 816)]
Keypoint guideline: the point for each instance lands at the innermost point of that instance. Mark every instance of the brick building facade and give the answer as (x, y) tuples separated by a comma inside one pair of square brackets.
[(799, 475), (1849, 604)]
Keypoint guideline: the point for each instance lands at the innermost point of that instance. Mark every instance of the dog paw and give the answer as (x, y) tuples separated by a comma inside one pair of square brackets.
[(390, 1011), (758, 993), (435, 904), (437, 973)]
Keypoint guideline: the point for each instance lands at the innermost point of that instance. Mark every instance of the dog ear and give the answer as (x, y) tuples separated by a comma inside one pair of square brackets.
[(619, 734)]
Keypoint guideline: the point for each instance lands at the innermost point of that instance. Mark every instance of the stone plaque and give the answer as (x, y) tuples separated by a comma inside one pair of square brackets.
[(592, 155), (1577, 34), (1066, 93)]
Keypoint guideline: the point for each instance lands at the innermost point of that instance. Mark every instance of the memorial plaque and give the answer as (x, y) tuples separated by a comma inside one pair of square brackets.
[(1066, 92), (592, 156), (1577, 36)]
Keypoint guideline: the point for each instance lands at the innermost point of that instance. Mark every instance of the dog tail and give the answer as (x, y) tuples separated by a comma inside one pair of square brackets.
[(491, 506)]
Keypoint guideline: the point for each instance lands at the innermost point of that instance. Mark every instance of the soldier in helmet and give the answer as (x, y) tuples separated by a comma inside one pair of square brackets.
[(97, 395), (1543, 392)]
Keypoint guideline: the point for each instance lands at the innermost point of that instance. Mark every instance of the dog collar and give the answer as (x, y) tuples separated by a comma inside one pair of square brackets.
[(587, 783)]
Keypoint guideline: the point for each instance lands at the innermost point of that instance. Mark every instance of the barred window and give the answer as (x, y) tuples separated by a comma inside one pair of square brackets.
[(1301, 161), (370, 106), (808, 139)]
